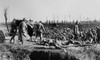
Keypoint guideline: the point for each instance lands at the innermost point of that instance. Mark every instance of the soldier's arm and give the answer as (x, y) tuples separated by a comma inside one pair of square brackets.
[(43, 28), (23, 27)]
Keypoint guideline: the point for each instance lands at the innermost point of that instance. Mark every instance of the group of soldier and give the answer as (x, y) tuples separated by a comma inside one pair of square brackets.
[(92, 35), (25, 29)]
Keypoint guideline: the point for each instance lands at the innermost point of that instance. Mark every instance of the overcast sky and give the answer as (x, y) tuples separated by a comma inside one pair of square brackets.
[(50, 9)]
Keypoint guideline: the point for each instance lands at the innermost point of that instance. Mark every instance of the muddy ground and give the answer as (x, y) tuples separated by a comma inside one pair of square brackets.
[(31, 51), (40, 52)]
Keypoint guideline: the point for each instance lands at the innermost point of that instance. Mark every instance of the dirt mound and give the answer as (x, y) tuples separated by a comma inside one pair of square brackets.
[(2, 37), (18, 52)]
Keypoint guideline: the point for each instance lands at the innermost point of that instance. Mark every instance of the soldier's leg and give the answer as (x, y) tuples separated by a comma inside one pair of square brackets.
[(91, 40), (41, 36), (95, 39), (22, 42), (20, 39), (36, 36), (76, 37), (31, 39), (35, 40), (12, 38)]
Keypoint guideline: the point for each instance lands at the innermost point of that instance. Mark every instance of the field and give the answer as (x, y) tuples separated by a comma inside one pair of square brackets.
[(31, 51)]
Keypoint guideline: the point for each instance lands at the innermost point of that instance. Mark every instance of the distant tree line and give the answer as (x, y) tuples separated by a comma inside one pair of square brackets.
[(82, 24), (64, 24)]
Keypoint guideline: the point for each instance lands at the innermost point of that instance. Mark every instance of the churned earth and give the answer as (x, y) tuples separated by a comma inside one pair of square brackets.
[(31, 51)]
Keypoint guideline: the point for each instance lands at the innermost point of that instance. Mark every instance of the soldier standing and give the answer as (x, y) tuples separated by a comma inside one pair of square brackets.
[(76, 30), (94, 35), (89, 36), (39, 30)]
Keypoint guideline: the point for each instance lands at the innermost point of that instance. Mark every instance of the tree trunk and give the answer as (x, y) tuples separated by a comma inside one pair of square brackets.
[(5, 15)]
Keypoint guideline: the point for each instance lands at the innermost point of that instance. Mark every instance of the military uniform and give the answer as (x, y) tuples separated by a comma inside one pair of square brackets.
[(23, 33)]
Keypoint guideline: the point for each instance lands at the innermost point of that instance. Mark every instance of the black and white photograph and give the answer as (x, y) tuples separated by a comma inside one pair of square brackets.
[(49, 29)]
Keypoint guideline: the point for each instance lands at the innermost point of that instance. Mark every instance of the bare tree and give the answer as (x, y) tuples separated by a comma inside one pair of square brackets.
[(5, 15)]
